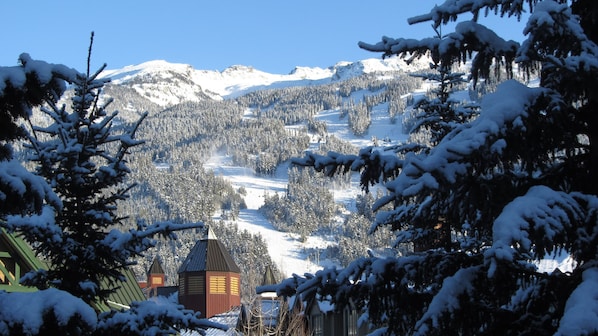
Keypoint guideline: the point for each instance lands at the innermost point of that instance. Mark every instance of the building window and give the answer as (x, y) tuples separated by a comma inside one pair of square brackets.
[(197, 284), (156, 280), (182, 285), (351, 318), (218, 285), (234, 286), (317, 325)]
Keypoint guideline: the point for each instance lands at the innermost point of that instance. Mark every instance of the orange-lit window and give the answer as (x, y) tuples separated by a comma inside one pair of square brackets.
[(234, 286), (217, 285), (157, 280)]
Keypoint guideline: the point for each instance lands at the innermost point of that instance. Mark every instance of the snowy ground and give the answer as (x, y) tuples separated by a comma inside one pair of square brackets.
[(290, 255)]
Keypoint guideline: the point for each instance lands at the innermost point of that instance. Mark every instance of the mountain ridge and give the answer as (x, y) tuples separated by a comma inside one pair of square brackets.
[(166, 83)]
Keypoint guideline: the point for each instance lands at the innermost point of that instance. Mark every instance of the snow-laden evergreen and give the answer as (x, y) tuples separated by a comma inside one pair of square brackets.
[(21, 88), (482, 203), (82, 168), (494, 196)]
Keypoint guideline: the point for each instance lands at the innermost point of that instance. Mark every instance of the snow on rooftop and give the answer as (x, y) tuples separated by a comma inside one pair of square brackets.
[(229, 319)]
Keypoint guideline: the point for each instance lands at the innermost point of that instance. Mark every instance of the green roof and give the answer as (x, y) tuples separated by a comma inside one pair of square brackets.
[(127, 291), (15, 252), (15, 248)]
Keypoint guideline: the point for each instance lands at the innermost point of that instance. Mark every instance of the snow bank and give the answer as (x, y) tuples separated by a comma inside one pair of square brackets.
[(28, 310)]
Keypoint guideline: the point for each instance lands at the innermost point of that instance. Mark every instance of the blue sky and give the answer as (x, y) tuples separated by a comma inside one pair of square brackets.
[(272, 36)]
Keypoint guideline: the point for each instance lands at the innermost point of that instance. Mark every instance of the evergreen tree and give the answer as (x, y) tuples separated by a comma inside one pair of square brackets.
[(502, 191), (441, 114), (74, 156), (22, 193), (83, 160), (23, 87)]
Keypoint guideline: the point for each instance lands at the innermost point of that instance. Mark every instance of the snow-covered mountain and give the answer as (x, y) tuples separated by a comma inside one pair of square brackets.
[(165, 84), (169, 83)]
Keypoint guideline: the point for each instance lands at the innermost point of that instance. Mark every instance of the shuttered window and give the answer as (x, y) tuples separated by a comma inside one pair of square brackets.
[(197, 284), (217, 284), (182, 286), (234, 286)]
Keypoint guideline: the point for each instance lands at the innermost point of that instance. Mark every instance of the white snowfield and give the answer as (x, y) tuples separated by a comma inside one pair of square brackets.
[(173, 83), (285, 249)]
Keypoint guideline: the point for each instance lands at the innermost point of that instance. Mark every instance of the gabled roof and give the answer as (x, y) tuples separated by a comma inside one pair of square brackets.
[(156, 267), (269, 278), (22, 249), (209, 254)]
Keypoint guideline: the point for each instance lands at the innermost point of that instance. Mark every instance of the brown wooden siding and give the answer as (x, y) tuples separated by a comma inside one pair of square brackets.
[(216, 301)]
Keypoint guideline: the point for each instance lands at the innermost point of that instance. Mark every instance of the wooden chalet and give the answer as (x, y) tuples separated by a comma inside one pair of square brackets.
[(209, 279)]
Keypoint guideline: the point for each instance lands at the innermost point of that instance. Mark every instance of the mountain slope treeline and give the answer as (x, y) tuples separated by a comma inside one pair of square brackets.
[(259, 130)]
